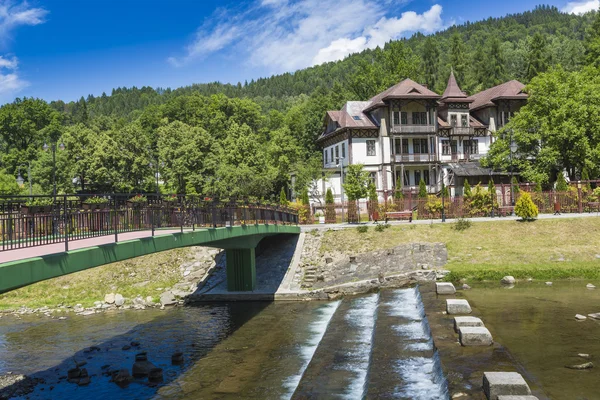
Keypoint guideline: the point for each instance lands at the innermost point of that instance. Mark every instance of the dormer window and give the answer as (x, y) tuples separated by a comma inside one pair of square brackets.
[(453, 120), (356, 118), (464, 121)]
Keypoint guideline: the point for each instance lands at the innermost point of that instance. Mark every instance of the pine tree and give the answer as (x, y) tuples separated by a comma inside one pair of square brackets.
[(329, 196), (537, 58), (305, 200), (398, 194), (495, 64), (561, 183), (283, 198), (467, 189), (458, 57), (422, 189), (431, 55), (592, 43), (538, 187)]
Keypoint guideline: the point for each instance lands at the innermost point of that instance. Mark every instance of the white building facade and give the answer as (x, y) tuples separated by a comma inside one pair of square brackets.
[(409, 133)]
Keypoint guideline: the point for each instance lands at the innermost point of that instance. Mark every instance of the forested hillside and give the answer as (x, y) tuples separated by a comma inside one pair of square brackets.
[(244, 139)]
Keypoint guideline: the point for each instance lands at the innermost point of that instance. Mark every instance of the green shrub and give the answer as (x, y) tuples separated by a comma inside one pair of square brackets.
[(96, 200), (379, 228), (525, 208), (462, 224), (467, 189), (434, 204), (283, 200), (561, 183), (362, 229), (422, 189)]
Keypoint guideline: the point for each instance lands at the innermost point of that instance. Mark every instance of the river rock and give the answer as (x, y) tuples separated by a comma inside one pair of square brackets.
[(141, 369), (88, 312), (119, 300), (139, 301), (590, 286), (149, 300), (497, 384), (594, 316), (508, 280), (122, 378), (84, 381), (168, 299), (548, 283), (584, 355), (109, 298), (586, 365), (580, 317), (457, 306), (465, 286)]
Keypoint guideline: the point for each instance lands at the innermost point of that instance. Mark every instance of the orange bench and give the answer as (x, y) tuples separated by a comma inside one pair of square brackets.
[(399, 215)]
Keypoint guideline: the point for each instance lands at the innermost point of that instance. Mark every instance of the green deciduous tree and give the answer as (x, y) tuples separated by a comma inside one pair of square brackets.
[(356, 182)]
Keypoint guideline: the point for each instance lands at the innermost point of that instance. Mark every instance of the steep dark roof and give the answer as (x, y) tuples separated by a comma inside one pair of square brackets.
[(452, 89), (407, 89), (512, 90), (351, 116)]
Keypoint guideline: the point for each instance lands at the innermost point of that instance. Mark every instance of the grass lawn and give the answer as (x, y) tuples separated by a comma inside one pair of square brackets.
[(544, 249), (142, 275)]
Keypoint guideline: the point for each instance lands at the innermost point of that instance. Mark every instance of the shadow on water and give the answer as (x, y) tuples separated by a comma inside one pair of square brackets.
[(46, 349), (194, 331)]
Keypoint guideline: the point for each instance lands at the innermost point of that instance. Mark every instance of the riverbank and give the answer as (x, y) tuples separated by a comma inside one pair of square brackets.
[(544, 249)]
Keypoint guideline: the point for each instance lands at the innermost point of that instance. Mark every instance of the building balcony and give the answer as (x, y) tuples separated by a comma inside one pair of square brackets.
[(462, 157), (462, 131), (415, 158), (417, 129)]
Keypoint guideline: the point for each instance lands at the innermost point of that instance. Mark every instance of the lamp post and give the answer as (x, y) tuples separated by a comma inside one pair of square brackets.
[(513, 149), (490, 185), (443, 202), (20, 179), (340, 162), (52, 147)]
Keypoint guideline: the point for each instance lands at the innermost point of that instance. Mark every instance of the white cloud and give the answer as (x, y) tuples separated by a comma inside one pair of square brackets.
[(285, 35), (581, 7), (13, 15)]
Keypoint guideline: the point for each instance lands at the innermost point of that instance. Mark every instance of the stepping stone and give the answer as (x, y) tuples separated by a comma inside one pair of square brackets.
[(517, 398), (445, 288), (457, 306), (475, 336), (460, 322), (497, 384)]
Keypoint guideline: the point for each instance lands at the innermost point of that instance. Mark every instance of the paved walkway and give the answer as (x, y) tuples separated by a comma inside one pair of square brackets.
[(306, 228), (38, 251)]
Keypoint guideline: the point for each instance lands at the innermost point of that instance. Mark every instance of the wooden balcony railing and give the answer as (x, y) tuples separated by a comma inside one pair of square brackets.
[(416, 158), (417, 129)]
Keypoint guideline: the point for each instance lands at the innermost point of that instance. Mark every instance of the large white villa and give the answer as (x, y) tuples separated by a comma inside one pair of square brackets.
[(410, 133)]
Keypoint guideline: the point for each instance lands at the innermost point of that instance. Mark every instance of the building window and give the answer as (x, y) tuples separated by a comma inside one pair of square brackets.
[(426, 176), (325, 155), (337, 152), (464, 121), (419, 118), (454, 146), (420, 146), (405, 146), (417, 177), (406, 178), (344, 150), (453, 120), (396, 115), (373, 178), (471, 146), (371, 148), (332, 159), (397, 146), (445, 147), (404, 118)]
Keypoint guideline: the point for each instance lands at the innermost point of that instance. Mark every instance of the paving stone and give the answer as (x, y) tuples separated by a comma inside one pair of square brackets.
[(460, 322), (475, 336), (457, 306), (504, 384), (445, 288)]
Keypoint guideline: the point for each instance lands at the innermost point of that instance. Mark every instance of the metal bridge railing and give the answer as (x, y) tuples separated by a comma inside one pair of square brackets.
[(29, 221)]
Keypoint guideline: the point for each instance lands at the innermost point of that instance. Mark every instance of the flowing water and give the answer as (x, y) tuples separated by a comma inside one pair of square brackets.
[(374, 346)]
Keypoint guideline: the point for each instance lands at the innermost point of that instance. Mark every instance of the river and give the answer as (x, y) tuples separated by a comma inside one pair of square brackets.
[(373, 346)]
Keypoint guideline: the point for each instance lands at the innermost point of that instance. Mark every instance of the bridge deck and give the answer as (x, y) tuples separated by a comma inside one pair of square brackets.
[(39, 251)]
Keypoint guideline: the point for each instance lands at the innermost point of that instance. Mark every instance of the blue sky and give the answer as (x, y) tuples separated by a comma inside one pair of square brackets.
[(63, 49)]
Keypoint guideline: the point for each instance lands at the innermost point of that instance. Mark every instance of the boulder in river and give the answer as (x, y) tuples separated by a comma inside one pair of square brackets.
[(590, 286), (122, 378), (167, 299), (548, 283), (141, 369), (109, 298), (508, 280), (119, 300), (584, 355)]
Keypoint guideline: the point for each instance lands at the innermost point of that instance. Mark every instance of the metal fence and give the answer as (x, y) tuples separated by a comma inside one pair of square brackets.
[(28, 221)]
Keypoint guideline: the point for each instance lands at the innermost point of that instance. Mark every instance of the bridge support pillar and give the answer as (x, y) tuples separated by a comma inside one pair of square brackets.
[(241, 270)]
